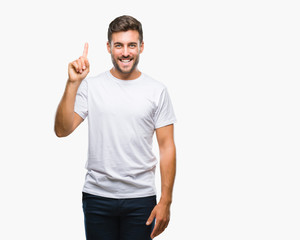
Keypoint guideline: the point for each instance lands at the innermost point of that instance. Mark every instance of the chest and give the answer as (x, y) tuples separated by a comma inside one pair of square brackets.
[(122, 103)]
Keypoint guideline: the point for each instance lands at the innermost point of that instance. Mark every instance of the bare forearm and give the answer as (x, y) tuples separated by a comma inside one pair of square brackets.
[(65, 111), (168, 171)]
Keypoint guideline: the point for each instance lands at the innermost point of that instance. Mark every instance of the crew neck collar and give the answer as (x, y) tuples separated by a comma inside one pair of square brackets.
[(125, 81)]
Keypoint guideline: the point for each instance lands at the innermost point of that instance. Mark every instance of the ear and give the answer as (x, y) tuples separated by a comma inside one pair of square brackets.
[(142, 47), (108, 47)]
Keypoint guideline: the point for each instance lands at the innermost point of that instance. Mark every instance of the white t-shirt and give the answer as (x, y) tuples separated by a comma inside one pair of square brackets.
[(122, 118)]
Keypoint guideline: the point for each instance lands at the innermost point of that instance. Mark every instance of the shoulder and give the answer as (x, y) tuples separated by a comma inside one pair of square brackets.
[(96, 78), (154, 83)]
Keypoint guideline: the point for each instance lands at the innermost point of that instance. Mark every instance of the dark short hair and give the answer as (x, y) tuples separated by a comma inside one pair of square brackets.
[(123, 24)]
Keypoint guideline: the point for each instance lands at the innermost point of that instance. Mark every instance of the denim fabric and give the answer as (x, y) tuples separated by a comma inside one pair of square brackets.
[(117, 219)]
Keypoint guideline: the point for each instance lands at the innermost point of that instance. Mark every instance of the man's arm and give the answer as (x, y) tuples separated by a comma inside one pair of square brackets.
[(167, 153), (66, 120)]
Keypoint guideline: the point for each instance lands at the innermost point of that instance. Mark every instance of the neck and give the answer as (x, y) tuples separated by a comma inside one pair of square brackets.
[(125, 76)]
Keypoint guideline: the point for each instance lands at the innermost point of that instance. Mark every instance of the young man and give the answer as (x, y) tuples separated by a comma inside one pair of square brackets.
[(124, 108)]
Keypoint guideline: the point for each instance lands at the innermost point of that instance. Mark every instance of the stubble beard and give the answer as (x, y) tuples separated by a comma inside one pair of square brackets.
[(117, 67)]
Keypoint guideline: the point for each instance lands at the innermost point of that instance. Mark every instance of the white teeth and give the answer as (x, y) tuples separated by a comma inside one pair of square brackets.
[(125, 61)]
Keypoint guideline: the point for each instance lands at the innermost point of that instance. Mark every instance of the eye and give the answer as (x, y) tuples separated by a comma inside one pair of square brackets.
[(118, 46), (132, 45)]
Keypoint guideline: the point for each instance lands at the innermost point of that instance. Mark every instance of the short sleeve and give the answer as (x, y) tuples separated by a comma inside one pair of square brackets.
[(164, 114), (81, 100)]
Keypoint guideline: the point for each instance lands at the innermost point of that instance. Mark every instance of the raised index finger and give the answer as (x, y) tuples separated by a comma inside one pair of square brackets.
[(85, 51)]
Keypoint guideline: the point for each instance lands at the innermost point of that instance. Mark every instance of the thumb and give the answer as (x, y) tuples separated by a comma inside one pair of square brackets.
[(150, 219)]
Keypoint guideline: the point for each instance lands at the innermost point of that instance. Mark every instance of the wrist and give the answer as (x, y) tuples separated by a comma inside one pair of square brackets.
[(166, 200), (71, 82)]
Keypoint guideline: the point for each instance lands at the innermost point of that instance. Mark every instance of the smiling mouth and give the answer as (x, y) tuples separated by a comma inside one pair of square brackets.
[(125, 60)]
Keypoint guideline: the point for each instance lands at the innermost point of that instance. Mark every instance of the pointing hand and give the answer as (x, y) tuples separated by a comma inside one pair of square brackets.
[(79, 68)]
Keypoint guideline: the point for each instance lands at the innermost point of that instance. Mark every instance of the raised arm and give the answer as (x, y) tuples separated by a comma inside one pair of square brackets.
[(66, 120)]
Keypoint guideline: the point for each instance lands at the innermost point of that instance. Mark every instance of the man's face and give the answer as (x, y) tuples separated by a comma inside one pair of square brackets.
[(125, 49)]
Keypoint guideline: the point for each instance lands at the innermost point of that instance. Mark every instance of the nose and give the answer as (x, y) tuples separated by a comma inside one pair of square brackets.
[(125, 51)]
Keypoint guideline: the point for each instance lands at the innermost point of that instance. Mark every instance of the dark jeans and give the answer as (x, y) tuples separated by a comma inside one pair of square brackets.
[(117, 219)]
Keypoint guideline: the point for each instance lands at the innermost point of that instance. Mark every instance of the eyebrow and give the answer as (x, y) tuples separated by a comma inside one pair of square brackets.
[(119, 43)]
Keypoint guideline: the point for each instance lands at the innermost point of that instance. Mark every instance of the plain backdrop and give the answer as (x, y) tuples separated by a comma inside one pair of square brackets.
[(232, 71)]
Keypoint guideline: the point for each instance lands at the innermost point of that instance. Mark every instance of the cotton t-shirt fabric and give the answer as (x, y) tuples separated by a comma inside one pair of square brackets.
[(122, 117)]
